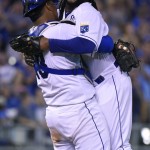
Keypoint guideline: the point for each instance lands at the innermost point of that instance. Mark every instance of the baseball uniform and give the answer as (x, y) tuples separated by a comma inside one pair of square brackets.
[(113, 87), (73, 116)]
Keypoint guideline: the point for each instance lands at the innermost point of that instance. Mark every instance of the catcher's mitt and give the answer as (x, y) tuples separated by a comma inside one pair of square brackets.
[(124, 53), (30, 60), (26, 44)]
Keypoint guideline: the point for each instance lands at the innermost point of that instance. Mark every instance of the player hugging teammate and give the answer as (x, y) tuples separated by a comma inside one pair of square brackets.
[(56, 50)]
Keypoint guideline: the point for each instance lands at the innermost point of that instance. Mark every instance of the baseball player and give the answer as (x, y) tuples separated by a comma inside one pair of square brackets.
[(73, 115), (106, 75)]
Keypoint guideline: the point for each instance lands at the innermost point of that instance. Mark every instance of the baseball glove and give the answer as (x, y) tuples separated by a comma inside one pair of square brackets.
[(30, 60), (124, 53), (26, 44)]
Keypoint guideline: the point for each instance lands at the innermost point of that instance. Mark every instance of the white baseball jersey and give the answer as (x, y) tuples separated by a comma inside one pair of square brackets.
[(61, 89), (97, 29), (89, 22), (118, 103), (56, 89), (79, 120)]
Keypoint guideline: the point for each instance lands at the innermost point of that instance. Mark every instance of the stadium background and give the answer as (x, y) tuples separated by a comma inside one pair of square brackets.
[(22, 108)]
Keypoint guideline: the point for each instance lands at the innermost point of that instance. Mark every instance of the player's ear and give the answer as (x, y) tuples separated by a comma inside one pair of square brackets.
[(49, 5)]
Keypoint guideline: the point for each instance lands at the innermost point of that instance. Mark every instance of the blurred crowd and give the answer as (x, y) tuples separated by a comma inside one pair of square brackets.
[(20, 99)]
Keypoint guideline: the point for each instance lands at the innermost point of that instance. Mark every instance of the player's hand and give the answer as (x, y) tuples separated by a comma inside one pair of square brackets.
[(124, 53), (29, 60), (26, 44)]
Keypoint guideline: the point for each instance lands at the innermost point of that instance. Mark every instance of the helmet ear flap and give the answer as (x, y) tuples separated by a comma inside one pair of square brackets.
[(25, 7)]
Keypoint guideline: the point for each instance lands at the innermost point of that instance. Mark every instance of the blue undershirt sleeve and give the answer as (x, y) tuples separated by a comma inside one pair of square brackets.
[(106, 45), (76, 45), (80, 45)]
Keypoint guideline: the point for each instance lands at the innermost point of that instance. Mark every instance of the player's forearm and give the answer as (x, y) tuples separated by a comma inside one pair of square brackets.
[(44, 44), (76, 45), (80, 45)]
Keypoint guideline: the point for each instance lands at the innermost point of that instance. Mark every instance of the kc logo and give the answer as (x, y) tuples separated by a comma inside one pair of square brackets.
[(84, 27)]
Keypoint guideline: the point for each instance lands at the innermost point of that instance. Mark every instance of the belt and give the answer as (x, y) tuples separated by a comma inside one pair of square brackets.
[(76, 71), (100, 79)]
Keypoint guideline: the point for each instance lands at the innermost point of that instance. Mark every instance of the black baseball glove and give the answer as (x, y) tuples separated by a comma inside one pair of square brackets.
[(30, 60), (126, 58), (26, 44)]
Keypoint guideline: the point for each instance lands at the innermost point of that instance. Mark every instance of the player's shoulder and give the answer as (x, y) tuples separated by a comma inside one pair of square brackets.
[(86, 7), (52, 23), (37, 30), (85, 11), (67, 21)]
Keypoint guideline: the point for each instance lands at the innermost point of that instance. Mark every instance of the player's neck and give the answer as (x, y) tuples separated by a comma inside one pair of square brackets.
[(44, 19)]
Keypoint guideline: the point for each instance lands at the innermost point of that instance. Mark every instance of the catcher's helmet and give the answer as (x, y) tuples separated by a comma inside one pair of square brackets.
[(30, 5)]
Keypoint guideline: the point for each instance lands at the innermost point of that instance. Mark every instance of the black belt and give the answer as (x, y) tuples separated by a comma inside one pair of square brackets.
[(100, 79)]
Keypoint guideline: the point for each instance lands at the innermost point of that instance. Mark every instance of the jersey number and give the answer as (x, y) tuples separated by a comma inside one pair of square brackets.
[(40, 59)]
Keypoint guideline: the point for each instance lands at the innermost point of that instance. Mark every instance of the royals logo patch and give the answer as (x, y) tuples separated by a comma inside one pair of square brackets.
[(84, 28)]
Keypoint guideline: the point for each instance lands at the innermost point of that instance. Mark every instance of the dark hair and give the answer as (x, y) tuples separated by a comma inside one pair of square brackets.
[(76, 4), (93, 4), (62, 5)]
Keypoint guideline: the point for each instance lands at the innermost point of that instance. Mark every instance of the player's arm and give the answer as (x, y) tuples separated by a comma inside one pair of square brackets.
[(77, 45), (86, 36), (56, 42), (74, 39), (95, 38)]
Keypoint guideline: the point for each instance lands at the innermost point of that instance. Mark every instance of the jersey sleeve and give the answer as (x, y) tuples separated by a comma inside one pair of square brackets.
[(62, 31), (80, 45), (90, 24), (63, 38), (106, 45)]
